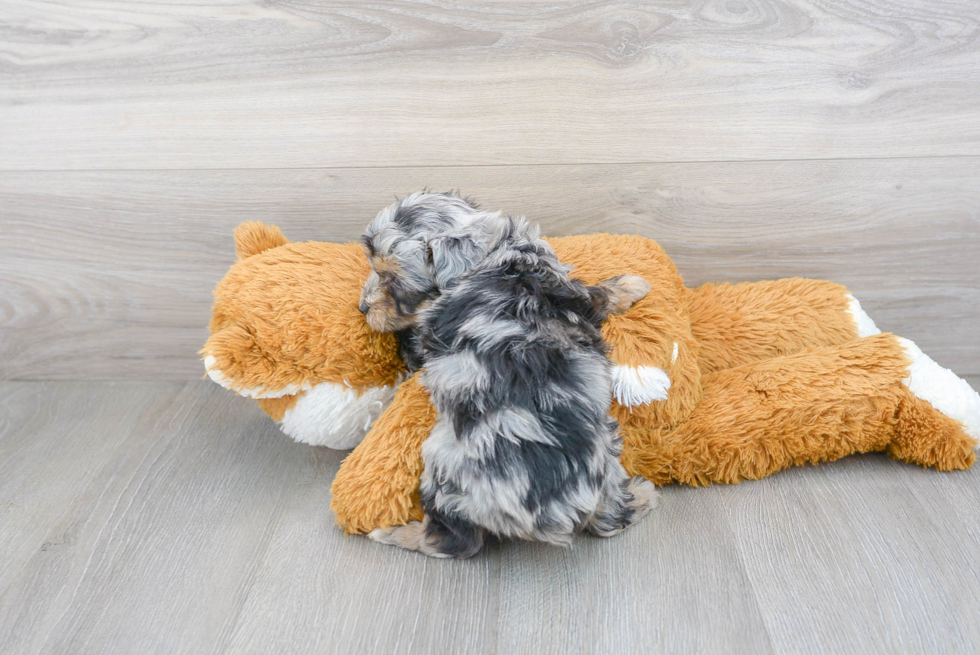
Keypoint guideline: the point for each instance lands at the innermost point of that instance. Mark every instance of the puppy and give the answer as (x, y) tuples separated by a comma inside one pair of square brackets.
[(516, 367)]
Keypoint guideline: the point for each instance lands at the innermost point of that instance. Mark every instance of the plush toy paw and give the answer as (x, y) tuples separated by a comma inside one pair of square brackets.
[(639, 385)]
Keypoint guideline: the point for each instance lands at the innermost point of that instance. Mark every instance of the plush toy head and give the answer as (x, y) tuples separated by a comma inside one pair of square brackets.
[(286, 330)]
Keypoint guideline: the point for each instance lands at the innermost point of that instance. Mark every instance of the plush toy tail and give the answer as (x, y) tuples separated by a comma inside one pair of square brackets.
[(815, 406), (253, 237)]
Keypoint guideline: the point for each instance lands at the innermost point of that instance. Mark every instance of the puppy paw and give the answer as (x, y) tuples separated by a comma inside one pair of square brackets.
[(410, 536), (645, 498), (637, 496), (382, 535)]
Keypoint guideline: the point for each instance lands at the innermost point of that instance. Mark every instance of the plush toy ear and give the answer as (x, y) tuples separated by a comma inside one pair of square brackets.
[(253, 237)]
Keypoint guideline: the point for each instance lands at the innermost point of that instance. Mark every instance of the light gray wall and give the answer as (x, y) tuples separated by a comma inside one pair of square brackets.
[(752, 140)]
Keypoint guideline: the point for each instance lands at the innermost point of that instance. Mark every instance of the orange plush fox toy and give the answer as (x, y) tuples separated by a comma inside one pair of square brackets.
[(721, 383)]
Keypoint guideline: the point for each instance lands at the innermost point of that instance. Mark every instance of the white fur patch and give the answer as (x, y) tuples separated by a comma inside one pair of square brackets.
[(639, 385), (251, 392), (335, 415), (865, 326), (329, 414), (943, 389)]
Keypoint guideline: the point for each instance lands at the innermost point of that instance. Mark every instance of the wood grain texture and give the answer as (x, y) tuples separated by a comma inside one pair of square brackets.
[(321, 592), (54, 442), (657, 588), (174, 518), (155, 552), (886, 562), (108, 275), (110, 84)]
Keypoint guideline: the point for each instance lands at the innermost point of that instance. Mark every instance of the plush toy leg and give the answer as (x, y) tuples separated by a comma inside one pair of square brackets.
[(814, 406), (738, 324), (377, 484)]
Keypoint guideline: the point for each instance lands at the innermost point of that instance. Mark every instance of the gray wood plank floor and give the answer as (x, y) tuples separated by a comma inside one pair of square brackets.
[(174, 518)]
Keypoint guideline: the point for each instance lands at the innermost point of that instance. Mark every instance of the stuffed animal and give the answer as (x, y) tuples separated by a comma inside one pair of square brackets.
[(722, 383)]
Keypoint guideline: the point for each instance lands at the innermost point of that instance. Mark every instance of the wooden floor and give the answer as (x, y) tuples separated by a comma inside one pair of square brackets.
[(174, 518), (145, 511)]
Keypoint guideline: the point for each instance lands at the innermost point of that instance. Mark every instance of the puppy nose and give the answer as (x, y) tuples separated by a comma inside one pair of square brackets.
[(363, 307)]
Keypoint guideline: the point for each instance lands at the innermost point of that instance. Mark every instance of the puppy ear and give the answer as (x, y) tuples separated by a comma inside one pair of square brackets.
[(451, 256)]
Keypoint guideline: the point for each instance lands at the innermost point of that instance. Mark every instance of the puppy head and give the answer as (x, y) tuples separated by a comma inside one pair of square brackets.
[(417, 248)]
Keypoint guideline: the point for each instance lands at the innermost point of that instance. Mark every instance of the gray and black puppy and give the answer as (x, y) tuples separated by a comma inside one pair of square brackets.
[(516, 367)]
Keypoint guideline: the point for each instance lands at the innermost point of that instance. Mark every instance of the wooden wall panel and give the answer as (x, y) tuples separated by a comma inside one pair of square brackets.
[(108, 275), (107, 84)]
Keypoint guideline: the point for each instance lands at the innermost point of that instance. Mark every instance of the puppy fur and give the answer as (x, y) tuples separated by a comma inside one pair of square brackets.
[(517, 370)]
